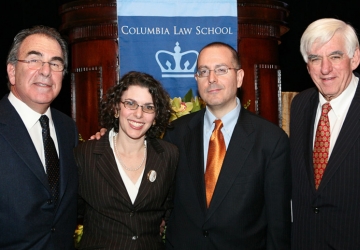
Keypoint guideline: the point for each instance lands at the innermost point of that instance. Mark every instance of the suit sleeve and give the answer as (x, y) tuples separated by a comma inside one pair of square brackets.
[(278, 195), (80, 162), (173, 161)]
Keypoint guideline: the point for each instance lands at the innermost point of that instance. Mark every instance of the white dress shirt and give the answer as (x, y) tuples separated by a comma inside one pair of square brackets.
[(30, 119), (339, 108), (131, 188)]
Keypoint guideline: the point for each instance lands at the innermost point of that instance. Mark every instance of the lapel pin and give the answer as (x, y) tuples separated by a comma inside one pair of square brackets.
[(151, 175)]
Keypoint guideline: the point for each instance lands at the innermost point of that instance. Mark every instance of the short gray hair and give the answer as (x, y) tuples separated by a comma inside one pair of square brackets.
[(322, 30), (41, 30)]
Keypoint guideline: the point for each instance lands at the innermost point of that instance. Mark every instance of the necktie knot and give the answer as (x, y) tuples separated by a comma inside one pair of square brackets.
[(218, 126), (326, 107), (44, 121)]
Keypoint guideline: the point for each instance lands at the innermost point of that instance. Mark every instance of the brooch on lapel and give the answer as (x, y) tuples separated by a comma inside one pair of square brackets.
[(151, 175)]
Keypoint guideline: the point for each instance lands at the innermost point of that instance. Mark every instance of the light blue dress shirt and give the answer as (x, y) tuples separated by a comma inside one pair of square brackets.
[(229, 122)]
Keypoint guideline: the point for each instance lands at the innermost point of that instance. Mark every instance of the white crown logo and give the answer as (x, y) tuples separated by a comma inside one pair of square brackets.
[(177, 71)]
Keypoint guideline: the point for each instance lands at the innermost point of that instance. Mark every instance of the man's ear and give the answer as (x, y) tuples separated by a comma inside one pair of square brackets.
[(11, 73), (239, 77), (355, 60)]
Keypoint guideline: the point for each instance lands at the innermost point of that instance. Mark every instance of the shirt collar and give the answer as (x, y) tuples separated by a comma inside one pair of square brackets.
[(340, 104), (28, 115), (229, 120)]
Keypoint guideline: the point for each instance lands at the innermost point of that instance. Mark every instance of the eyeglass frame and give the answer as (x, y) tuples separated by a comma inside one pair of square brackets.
[(138, 105), (28, 62), (197, 74)]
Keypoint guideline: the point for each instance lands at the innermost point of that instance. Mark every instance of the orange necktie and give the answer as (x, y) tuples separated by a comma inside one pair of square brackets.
[(216, 154), (321, 144)]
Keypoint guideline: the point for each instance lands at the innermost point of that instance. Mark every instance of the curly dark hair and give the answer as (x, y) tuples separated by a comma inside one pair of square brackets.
[(159, 95)]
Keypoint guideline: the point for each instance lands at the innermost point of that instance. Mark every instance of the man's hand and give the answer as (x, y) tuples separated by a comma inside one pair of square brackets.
[(162, 227), (98, 135)]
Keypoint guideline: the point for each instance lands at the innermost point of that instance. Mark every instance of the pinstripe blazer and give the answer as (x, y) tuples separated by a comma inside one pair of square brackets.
[(328, 218), (111, 221)]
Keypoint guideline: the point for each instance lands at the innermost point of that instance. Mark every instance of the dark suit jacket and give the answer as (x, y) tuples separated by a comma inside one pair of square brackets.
[(28, 218), (111, 221), (328, 218), (250, 208)]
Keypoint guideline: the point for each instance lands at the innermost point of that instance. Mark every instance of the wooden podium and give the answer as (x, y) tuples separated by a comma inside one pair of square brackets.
[(91, 30)]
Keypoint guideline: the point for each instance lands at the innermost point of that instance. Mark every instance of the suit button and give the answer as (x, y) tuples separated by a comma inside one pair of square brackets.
[(49, 201), (132, 213), (316, 210), (134, 237), (53, 229), (205, 233)]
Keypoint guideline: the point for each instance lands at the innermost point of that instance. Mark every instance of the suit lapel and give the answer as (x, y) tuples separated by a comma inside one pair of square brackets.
[(106, 164), (309, 126), (348, 135), (241, 143), (154, 162), (15, 132), (194, 153), (64, 157)]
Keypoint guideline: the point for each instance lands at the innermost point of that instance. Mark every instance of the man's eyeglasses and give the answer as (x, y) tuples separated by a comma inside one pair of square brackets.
[(37, 64), (147, 108), (221, 70)]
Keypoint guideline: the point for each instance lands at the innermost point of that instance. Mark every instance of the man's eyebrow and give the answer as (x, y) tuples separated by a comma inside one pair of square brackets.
[(217, 65), (37, 53), (337, 52), (34, 52), (57, 58), (202, 66)]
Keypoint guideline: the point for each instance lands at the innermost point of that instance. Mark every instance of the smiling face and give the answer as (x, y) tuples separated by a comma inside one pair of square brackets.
[(135, 123), (330, 67), (219, 91), (36, 88)]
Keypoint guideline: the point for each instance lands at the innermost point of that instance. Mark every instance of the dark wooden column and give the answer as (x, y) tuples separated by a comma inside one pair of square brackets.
[(260, 26), (91, 29)]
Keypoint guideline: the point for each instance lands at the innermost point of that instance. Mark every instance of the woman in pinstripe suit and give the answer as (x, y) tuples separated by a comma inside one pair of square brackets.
[(126, 178)]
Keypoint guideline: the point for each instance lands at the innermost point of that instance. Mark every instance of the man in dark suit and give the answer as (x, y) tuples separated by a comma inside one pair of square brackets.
[(36, 212), (325, 141), (250, 206)]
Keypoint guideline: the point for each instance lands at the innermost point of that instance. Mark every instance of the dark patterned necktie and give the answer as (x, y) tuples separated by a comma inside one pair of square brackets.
[(51, 158), (321, 145), (216, 154)]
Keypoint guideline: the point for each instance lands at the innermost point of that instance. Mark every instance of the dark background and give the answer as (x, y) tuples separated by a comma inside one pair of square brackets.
[(20, 14)]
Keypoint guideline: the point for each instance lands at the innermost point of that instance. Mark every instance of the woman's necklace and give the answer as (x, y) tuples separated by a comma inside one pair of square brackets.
[(122, 164)]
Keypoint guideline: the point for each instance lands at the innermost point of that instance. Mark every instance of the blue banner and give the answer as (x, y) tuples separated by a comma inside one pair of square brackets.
[(163, 38)]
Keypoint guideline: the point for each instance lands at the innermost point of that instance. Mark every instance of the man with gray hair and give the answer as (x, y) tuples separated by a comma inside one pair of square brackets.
[(38, 173), (325, 141)]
